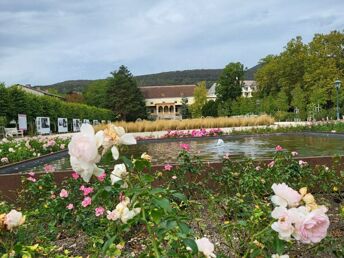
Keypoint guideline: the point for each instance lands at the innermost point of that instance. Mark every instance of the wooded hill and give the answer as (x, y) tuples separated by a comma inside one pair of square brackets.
[(165, 78)]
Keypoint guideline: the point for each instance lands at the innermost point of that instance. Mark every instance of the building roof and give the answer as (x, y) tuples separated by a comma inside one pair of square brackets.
[(168, 91), (42, 92)]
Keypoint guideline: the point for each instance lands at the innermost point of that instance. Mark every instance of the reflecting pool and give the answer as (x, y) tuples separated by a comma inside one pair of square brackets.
[(237, 147)]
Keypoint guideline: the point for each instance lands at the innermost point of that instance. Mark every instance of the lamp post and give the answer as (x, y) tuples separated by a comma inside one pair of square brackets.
[(337, 84)]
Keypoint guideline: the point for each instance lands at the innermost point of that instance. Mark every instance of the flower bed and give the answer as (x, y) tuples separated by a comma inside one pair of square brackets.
[(262, 211), (19, 150)]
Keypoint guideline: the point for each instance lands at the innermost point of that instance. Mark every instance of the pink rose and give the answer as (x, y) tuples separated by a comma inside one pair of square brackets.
[(86, 202), (271, 164), (32, 179), (278, 148), (70, 206), (31, 174), (185, 146), (284, 226), (102, 177), (75, 175), (168, 167), (99, 211), (285, 196), (314, 226), (86, 190), (64, 193)]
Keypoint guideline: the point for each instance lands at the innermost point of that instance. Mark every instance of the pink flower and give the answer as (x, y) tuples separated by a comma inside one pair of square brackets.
[(86, 190), (70, 206), (102, 177), (294, 153), (278, 148), (226, 156), (271, 164), (86, 202), (31, 173), (64, 193), (75, 175), (99, 211), (49, 168), (168, 167), (285, 196), (51, 143), (284, 225), (32, 179), (313, 228), (185, 146)]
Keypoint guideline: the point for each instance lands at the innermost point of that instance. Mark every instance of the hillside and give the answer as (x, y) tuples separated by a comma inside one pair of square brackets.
[(164, 78)]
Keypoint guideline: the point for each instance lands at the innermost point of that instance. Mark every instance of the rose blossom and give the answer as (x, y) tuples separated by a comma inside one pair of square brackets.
[(294, 153), (64, 193), (313, 227), (102, 177), (31, 174), (4, 160), (145, 156), (86, 190), (14, 219), (279, 256), (75, 175), (284, 226), (271, 164), (285, 196), (278, 148), (302, 163), (168, 167), (32, 179), (86, 202), (185, 146), (206, 247), (70, 206), (99, 211)]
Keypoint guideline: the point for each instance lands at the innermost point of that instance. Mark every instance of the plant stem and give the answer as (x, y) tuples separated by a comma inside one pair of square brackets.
[(255, 236), (155, 246)]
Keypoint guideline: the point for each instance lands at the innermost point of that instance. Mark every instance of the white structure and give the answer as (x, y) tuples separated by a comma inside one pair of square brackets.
[(211, 92), (248, 87)]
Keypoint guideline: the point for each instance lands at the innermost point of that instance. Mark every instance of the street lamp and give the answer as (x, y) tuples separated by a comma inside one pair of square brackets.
[(337, 84)]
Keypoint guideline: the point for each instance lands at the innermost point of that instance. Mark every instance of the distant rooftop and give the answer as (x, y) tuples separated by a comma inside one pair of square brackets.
[(168, 91)]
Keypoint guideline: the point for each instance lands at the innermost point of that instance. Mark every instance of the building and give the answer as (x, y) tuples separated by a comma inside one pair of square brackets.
[(248, 88), (164, 102), (27, 88)]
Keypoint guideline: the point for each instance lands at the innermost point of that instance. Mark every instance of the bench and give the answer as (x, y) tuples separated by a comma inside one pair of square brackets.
[(13, 132)]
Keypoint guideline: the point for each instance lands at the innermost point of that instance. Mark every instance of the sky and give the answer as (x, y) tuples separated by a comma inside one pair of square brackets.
[(48, 41)]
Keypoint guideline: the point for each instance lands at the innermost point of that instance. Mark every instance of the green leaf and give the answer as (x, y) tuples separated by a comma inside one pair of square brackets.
[(184, 227), (180, 196), (163, 203), (192, 244), (127, 162), (107, 244), (157, 190), (147, 178)]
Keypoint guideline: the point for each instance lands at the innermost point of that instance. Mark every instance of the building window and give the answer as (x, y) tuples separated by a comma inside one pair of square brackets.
[(160, 109), (171, 109), (166, 109)]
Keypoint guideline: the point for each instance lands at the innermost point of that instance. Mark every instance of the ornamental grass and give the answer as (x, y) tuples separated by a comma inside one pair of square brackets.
[(186, 124)]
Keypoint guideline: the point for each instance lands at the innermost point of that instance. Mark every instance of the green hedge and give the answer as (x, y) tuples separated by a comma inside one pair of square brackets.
[(14, 101)]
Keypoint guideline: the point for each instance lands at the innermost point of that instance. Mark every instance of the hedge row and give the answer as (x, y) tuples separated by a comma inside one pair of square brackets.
[(14, 101)]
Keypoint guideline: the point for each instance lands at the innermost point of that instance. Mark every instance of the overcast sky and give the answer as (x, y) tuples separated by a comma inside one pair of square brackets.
[(48, 41)]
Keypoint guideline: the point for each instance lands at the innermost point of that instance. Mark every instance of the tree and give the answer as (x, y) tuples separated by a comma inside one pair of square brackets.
[(200, 97), (75, 97), (210, 109), (184, 110), (124, 97), (95, 93), (4, 100), (230, 82), (282, 103), (299, 101)]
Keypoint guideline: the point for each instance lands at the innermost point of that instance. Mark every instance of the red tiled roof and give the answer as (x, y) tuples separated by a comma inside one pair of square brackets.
[(168, 91)]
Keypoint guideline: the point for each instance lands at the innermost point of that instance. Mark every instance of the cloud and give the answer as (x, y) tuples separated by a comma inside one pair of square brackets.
[(44, 42)]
